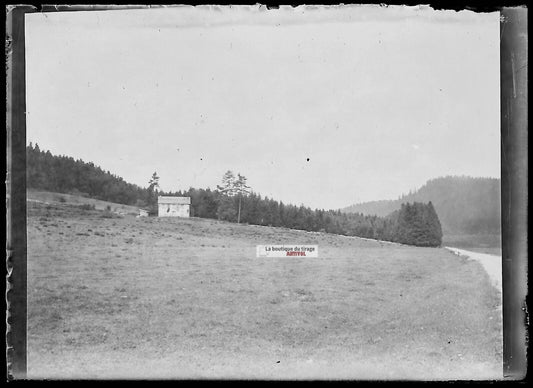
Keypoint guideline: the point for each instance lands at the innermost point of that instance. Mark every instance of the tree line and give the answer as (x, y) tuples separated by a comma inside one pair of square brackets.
[(233, 201), (63, 174), (465, 205)]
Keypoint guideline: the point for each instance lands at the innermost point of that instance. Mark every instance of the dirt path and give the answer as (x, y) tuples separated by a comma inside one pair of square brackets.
[(491, 263)]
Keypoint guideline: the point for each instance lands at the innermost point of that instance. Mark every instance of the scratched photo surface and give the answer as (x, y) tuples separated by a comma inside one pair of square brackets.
[(251, 193)]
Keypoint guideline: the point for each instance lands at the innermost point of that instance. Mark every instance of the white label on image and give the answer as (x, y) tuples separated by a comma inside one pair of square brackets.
[(287, 251)]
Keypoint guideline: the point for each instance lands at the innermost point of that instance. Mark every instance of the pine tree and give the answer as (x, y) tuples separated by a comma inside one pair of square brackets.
[(153, 183), (226, 209), (153, 186), (228, 184), (417, 224), (233, 187), (434, 226)]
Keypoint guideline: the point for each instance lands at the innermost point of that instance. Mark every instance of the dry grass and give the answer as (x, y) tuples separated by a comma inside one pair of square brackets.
[(173, 298), (49, 198)]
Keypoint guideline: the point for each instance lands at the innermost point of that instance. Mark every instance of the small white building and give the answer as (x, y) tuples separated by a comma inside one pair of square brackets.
[(173, 206)]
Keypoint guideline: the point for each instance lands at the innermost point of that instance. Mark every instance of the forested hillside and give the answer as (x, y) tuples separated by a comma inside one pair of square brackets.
[(465, 205), (64, 174), (415, 224)]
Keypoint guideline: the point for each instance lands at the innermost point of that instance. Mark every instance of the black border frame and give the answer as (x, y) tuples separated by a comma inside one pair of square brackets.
[(514, 178)]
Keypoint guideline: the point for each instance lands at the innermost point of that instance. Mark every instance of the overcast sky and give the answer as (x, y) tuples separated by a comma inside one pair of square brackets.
[(324, 107)]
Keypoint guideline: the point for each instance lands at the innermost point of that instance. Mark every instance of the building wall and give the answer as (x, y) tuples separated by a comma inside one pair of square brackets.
[(172, 210)]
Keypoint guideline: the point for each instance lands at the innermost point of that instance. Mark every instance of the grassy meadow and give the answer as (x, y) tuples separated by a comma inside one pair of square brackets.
[(114, 296)]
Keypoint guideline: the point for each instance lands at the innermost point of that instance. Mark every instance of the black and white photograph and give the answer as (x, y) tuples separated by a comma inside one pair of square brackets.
[(244, 192)]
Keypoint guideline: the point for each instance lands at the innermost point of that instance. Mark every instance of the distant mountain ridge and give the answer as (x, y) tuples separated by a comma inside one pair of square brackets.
[(465, 205)]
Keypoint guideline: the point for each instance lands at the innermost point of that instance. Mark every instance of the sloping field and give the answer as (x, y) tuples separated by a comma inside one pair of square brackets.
[(187, 298), (47, 197)]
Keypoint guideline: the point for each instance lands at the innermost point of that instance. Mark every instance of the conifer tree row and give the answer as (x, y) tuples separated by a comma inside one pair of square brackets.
[(414, 224)]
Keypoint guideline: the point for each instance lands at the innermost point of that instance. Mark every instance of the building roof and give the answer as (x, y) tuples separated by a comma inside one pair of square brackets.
[(174, 200)]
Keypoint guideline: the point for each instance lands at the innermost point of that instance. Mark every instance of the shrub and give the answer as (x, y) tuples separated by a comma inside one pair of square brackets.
[(108, 214), (87, 206)]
